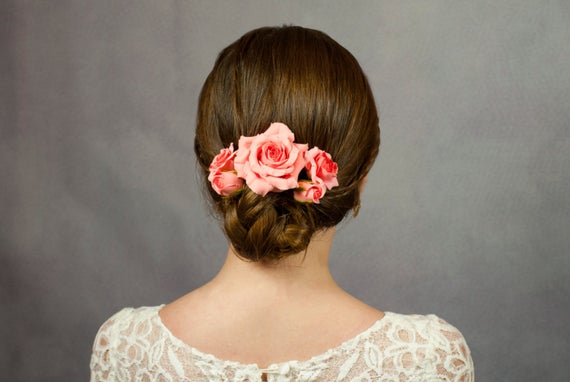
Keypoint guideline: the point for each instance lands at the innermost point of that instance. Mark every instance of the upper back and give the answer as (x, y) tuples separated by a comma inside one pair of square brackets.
[(267, 328), (135, 343)]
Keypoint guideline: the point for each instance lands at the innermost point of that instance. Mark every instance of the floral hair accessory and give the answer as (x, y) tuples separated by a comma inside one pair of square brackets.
[(309, 191), (222, 176), (272, 162)]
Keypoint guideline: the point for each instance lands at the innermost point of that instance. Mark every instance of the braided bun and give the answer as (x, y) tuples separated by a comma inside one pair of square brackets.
[(267, 227), (304, 79)]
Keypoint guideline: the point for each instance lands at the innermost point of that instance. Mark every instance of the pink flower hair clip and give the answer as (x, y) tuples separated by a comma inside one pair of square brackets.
[(271, 162)]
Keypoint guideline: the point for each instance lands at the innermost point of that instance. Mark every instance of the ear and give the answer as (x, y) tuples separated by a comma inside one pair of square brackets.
[(356, 208), (362, 183)]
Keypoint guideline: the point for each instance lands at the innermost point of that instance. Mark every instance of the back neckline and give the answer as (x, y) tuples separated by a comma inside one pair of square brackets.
[(316, 359)]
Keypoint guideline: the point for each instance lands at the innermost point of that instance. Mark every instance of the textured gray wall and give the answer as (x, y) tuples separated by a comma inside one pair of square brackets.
[(466, 213)]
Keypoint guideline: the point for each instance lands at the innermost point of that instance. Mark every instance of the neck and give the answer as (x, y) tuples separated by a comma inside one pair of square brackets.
[(296, 274)]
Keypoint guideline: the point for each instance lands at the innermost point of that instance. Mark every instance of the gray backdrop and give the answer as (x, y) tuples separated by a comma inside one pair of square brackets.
[(466, 213)]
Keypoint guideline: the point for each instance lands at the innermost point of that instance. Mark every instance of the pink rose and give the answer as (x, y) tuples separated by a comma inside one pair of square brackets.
[(222, 176), (224, 161), (320, 166), (309, 191), (225, 183), (270, 161)]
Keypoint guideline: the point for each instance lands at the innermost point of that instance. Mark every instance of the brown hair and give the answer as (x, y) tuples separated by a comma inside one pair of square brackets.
[(306, 80)]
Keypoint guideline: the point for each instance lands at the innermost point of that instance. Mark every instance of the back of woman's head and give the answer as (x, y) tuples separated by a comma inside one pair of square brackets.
[(307, 81)]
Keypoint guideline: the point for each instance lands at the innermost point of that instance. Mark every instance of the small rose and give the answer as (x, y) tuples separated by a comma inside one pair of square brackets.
[(224, 161), (225, 183), (321, 166), (270, 161), (310, 191)]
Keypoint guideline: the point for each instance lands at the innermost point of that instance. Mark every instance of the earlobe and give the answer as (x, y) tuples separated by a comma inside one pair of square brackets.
[(362, 184), (356, 209)]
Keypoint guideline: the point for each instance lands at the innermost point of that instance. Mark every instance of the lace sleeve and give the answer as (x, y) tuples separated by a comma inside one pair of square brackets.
[(102, 358), (450, 354)]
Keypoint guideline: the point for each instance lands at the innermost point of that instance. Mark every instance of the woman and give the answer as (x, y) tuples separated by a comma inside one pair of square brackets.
[(287, 131)]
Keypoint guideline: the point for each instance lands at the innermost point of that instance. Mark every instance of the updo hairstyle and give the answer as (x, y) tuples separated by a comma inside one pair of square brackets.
[(306, 80)]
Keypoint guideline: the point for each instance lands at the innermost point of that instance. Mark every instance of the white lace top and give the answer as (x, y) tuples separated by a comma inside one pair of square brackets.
[(134, 345)]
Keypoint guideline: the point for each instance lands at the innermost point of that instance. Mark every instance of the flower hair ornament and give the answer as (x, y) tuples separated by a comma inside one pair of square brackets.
[(272, 162)]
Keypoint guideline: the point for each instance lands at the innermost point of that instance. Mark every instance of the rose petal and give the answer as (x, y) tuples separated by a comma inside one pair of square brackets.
[(225, 183), (320, 166), (309, 192), (281, 130), (224, 160), (270, 161)]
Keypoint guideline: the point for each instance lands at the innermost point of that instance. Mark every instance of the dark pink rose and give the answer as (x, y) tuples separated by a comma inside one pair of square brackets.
[(320, 166), (270, 161), (310, 191)]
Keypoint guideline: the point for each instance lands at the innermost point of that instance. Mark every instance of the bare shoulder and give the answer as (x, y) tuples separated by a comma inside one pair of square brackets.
[(185, 314), (356, 311)]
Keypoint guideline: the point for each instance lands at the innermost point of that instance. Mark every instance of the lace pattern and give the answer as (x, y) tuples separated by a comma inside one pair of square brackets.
[(134, 345)]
